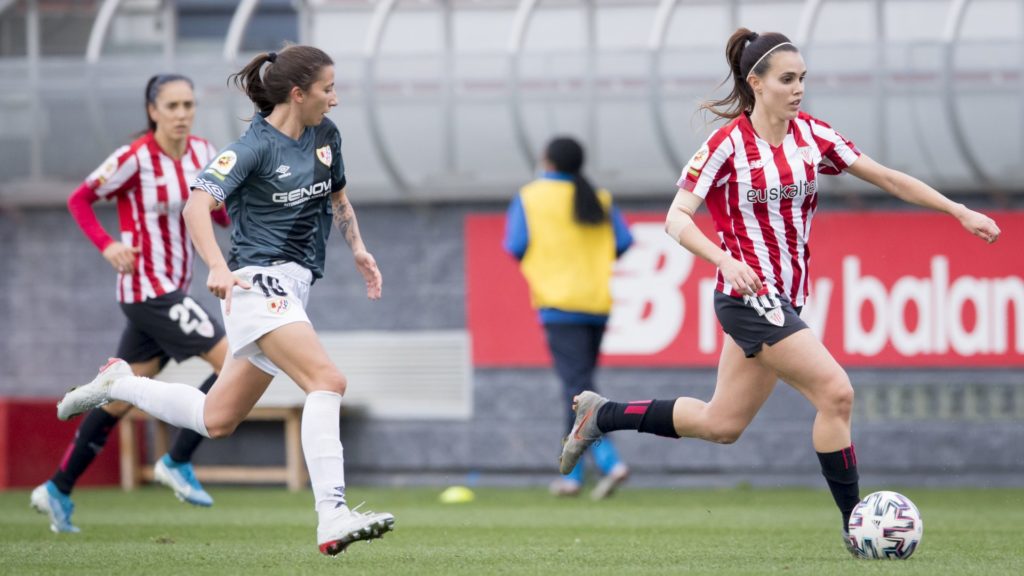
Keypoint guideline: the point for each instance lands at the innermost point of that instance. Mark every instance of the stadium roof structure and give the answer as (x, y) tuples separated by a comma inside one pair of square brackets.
[(453, 99)]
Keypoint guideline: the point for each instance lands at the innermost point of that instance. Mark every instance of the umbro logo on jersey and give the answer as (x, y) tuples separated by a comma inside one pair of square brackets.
[(283, 171)]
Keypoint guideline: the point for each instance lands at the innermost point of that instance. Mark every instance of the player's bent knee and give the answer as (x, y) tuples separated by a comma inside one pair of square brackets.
[(221, 429), (335, 382), (839, 398), (216, 432), (117, 408), (725, 433), (844, 401)]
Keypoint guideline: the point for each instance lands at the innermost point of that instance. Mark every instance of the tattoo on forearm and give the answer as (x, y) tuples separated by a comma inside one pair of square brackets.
[(345, 221)]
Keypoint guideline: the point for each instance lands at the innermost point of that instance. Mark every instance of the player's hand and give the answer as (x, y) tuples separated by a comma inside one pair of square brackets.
[(221, 281), (121, 257), (740, 276), (371, 274), (980, 225)]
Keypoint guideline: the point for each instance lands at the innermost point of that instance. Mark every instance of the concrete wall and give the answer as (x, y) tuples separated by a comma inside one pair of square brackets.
[(922, 426)]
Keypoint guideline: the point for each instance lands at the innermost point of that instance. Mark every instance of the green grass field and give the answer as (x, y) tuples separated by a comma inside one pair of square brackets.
[(506, 531)]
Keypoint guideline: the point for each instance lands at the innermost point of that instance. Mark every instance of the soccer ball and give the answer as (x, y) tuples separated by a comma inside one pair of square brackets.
[(885, 525)]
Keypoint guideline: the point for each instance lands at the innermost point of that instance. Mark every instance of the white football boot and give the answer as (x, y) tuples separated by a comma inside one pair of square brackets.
[(94, 394), (342, 527)]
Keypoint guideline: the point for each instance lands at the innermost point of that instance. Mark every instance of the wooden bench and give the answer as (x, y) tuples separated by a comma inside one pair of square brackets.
[(293, 474), (432, 379)]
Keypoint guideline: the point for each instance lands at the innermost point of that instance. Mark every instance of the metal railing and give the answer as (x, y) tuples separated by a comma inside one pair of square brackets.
[(451, 121)]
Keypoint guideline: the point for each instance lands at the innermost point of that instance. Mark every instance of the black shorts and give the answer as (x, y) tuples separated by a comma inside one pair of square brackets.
[(169, 326), (750, 330)]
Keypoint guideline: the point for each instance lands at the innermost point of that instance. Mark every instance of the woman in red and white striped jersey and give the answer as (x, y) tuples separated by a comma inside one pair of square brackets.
[(758, 176), (149, 179)]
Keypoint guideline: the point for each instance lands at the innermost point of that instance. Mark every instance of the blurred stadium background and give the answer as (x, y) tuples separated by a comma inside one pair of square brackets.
[(444, 107)]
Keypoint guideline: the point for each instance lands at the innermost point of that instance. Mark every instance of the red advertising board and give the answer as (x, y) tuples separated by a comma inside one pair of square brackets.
[(33, 443), (887, 289)]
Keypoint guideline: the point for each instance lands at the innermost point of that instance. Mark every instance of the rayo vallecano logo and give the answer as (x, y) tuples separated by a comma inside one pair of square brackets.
[(323, 154), (277, 305)]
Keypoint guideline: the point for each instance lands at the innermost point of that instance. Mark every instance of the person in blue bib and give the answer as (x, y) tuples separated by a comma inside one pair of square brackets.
[(567, 236), (284, 185)]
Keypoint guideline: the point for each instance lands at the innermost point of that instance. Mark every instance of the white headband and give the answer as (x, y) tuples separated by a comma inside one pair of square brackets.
[(765, 55)]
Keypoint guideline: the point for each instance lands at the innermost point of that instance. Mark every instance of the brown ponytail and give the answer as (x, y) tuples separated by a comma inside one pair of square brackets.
[(296, 65), (566, 155), (743, 51)]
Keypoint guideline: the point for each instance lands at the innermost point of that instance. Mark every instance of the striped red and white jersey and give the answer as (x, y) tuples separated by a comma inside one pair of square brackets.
[(762, 198), (151, 189)]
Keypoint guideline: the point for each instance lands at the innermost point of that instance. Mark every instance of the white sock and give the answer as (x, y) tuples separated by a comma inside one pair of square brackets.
[(179, 405), (321, 445)]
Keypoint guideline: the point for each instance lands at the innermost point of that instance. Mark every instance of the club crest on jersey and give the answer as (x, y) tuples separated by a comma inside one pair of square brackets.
[(775, 316), (700, 158), (224, 163), (807, 154), (277, 305), (323, 154)]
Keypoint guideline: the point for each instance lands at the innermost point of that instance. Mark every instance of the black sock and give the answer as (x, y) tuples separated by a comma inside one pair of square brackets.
[(89, 440), (650, 416), (840, 471), (187, 441)]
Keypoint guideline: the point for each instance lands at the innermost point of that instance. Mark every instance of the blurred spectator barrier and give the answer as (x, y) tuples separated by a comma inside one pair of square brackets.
[(432, 381)]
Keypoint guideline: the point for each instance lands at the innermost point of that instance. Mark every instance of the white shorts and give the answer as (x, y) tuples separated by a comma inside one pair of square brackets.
[(278, 296)]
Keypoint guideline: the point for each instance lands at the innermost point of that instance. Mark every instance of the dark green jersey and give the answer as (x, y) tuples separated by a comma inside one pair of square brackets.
[(277, 192)]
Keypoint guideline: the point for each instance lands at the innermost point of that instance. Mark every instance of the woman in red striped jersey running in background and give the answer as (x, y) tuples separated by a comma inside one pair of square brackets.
[(758, 175), (149, 179)]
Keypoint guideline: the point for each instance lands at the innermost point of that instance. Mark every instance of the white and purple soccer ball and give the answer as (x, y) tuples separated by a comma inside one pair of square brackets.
[(885, 525)]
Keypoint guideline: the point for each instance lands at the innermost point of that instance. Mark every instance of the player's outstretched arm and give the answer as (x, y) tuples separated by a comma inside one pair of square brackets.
[(912, 190), (345, 221), (197, 216)]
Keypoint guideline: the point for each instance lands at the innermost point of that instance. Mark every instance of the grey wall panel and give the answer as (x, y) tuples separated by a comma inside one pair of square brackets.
[(57, 299)]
